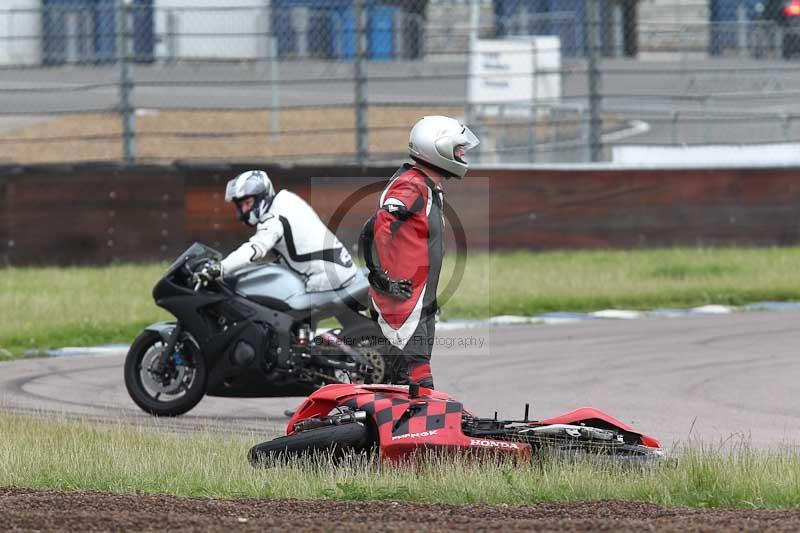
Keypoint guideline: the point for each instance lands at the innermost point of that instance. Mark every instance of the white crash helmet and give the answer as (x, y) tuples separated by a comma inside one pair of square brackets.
[(433, 140), (254, 183)]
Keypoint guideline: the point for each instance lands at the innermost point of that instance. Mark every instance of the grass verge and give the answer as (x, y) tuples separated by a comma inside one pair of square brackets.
[(51, 307), (62, 455), (528, 283), (77, 306)]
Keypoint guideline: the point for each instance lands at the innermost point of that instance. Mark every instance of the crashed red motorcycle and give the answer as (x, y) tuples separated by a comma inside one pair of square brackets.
[(401, 421)]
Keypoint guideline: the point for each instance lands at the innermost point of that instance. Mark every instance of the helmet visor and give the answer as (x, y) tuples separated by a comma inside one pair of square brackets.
[(230, 190), (468, 139), (252, 183), (465, 141)]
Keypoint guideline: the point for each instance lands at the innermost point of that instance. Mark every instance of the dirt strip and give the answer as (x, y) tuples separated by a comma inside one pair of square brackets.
[(217, 135), (28, 510)]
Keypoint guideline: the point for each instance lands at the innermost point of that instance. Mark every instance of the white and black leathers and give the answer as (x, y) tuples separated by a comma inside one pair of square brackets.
[(290, 229)]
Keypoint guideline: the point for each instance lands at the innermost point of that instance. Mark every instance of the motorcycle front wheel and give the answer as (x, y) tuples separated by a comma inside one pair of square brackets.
[(172, 390), (334, 442)]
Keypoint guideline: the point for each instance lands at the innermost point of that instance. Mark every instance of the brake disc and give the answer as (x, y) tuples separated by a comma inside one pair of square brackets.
[(154, 381)]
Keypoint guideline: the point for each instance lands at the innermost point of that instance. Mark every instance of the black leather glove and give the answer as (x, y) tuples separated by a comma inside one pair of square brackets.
[(399, 289), (210, 272)]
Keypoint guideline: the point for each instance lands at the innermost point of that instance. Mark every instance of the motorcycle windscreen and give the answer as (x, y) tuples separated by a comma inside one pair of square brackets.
[(195, 252)]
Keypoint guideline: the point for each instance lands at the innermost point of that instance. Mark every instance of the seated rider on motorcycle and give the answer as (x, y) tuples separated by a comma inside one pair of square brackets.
[(286, 227)]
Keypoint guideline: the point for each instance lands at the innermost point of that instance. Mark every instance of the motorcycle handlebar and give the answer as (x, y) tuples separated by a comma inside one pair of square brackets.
[(198, 284)]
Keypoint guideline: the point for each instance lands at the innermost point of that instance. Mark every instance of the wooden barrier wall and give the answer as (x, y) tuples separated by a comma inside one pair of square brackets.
[(95, 214)]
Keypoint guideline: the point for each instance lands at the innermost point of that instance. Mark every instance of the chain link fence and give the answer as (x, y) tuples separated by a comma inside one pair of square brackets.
[(342, 81)]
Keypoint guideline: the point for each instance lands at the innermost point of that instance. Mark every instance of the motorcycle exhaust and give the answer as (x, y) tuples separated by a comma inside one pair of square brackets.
[(576, 432), (321, 360), (332, 340)]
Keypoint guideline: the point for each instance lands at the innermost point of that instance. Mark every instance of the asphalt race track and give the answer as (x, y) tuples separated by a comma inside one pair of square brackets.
[(712, 378)]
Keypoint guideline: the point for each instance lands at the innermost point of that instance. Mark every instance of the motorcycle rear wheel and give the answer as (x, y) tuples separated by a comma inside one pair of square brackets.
[(188, 391), (333, 442), (367, 339)]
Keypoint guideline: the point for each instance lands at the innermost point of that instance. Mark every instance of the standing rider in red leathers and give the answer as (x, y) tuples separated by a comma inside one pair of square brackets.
[(403, 244)]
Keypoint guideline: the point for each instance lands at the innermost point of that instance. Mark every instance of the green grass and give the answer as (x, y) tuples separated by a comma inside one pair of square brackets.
[(51, 307), (78, 306), (528, 283), (63, 455)]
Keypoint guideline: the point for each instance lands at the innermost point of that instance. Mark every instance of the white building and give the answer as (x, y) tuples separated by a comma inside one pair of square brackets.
[(673, 27), (178, 29), (20, 32), (202, 29)]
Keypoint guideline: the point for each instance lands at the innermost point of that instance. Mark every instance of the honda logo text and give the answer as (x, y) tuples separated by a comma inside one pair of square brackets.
[(493, 444)]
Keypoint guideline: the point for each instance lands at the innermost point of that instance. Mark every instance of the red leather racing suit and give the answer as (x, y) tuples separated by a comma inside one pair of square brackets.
[(408, 239)]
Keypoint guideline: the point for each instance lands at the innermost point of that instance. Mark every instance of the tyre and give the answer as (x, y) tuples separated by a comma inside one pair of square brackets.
[(175, 390), (637, 454), (335, 442), (366, 337)]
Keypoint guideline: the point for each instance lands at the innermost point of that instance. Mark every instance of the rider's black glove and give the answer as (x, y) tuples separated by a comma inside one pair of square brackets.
[(399, 289), (210, 272)]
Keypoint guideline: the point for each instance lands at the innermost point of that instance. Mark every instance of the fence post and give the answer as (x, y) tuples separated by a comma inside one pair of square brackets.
[(274, 73), (533, 111), (742, 24), (300, 17), (126, 110), (595, 112), (584, 127), (675, 116), (618, 27), (555, 118), (470, 111), (786, 126), (501, 148), (360, 82), (172, 36)]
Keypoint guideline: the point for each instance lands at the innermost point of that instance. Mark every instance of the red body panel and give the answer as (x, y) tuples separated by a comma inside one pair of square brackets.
[(585, 414), (329, 397), (430, 422)]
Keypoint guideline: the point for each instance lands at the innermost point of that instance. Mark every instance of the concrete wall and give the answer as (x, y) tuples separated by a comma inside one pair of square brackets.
[(62, 214)]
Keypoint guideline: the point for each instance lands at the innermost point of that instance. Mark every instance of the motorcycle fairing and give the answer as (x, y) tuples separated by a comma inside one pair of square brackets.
[(277, 288), (433, 420), (589, 416), (406, 425), (327, 398)]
